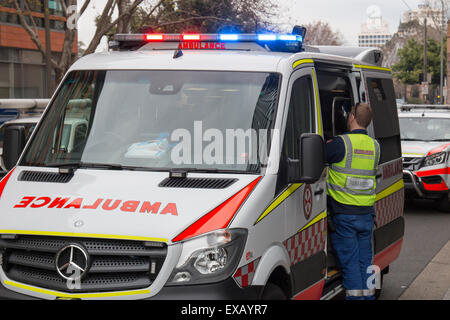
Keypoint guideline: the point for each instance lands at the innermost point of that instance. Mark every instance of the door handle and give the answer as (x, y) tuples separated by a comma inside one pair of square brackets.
[(318, 192)]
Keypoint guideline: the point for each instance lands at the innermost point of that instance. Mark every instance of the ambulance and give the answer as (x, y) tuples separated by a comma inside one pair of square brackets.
[(201, 174), (426, 147)]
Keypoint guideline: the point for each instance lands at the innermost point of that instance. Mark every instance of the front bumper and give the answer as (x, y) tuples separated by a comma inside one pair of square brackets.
[(12, 295), (225, 290), (416, 186)]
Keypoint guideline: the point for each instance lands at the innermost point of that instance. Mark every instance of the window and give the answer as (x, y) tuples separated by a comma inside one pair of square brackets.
[(301, 116), (335, 89), (385, 117)]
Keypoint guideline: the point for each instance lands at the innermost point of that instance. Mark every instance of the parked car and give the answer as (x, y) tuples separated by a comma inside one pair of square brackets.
[(425, 135)]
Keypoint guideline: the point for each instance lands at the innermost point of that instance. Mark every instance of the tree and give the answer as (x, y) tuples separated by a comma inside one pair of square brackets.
[(206, 16), (320, 33), (410, 66), (105, 23)]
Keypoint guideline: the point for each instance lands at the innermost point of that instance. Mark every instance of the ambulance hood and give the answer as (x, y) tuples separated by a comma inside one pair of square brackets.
[(419, 149), (109, 203)]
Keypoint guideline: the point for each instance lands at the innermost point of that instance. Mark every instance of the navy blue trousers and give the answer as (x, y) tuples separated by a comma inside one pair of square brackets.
[(352, 243)]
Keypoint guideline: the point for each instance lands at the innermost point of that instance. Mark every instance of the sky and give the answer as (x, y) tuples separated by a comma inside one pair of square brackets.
[(345, 16)]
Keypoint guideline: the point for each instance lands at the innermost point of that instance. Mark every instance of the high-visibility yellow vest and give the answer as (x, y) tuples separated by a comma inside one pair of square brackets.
[(353, 180)]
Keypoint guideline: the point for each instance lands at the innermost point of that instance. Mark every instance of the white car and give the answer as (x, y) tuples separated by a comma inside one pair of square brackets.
[(425, 135)]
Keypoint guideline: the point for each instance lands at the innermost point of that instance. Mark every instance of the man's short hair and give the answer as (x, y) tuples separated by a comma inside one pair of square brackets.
[(363, 114)]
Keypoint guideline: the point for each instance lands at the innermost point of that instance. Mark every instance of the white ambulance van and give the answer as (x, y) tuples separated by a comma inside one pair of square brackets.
[(201, 174)]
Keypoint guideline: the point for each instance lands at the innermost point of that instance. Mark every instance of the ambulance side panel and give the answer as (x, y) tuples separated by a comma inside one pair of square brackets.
[(301, 251), (377, 89)]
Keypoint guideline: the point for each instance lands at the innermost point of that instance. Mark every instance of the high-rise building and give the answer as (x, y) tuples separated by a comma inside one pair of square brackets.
[(22, 66), (425, 11), (375, 31)]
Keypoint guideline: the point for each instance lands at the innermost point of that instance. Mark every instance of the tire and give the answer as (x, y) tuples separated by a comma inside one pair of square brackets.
[(443, 204), (273, 292)]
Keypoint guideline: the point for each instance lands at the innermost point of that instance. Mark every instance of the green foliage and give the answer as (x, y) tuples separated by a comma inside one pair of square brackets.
[(410, 67)]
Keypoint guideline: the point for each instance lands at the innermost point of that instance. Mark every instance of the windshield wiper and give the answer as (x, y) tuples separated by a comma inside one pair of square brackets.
[(213, 170), (438, 140), (82, 165)]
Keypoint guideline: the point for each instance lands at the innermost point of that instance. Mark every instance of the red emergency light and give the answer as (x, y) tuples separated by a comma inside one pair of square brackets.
[(154, 37), (191, 37)]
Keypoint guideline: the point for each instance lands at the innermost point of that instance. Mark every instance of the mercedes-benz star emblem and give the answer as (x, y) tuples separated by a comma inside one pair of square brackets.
[(72, 262)]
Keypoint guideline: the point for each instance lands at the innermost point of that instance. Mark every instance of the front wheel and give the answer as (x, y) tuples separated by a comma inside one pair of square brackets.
[(444, 204), (273, 292)]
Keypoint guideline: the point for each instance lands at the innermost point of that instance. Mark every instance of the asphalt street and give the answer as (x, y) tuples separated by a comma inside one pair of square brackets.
[(427, 231)]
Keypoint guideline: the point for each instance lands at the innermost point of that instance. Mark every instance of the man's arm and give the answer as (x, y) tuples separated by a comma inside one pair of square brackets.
[(335, 149)]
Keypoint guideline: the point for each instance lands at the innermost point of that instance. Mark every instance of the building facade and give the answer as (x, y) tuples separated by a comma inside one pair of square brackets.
[(375, 31), (22, 66), (434, 16)]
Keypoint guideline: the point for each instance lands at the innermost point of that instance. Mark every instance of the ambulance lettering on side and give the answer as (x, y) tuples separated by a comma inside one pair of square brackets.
[(104, 204)]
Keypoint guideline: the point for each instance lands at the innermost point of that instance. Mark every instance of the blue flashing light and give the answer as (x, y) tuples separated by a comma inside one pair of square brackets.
[(229, 37), (267, 37), (290, 37)]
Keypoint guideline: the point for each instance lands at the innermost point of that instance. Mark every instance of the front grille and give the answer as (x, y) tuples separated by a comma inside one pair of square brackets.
[(412, 164), (115, 265)]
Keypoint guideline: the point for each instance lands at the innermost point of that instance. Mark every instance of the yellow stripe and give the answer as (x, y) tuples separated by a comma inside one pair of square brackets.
[(319, 113), (82, 235), (275, 203), (332, 273), (76, 296), (371, 67), (414, 154), (302, 61), (319, 217), (390, 190)]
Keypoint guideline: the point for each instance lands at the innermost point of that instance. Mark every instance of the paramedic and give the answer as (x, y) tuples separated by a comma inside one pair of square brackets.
[(353, 160)]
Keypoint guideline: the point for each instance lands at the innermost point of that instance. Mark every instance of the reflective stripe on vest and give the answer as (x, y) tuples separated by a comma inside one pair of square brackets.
[(352, 180)]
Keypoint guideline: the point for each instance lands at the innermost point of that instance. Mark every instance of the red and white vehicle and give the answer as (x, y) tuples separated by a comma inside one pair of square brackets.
[(425, 134)]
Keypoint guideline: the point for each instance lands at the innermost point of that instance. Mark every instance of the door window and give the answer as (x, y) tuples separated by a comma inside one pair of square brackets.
[(301, 116)]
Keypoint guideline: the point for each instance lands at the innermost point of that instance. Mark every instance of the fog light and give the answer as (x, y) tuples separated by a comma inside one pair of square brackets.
[(182, 277)]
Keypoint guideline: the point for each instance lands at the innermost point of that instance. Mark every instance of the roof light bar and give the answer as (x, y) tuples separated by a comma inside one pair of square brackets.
[(271, 41), (229, 37), (187, 37), (154, 37), (289, 37), (267, 37), (209, 37)]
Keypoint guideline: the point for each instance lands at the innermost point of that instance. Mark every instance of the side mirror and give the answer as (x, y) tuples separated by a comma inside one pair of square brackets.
[(13, 145), (308, 169)]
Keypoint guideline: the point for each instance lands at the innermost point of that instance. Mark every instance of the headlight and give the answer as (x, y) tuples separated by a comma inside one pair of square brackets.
[(210, 258), (435, 159)]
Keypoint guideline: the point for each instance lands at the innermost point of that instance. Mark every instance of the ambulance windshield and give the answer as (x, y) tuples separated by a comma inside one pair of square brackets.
[(424, 129), (159, 120)]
